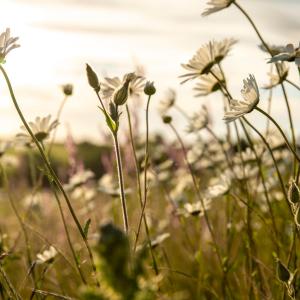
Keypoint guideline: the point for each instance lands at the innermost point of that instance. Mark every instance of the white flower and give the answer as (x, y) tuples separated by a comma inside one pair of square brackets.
[(199, 120), (206, 57), (7, 43), (47, 256), (208, 84), (159, 239), (289, 53), (216, 5), (109, 186), (40, 128), (110, 85), (276, 79), (274, 49), (196, 209), (167, 102), (219, 189), (79, 178), (238, 108)]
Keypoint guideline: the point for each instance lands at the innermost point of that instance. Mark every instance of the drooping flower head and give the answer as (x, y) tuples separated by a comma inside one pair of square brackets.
[(277, 77), (289, 53), (208, 84), (216, 5), (199, 120), (206, 57), (41, 129), (250, 94), (167, 102), (7, 43)]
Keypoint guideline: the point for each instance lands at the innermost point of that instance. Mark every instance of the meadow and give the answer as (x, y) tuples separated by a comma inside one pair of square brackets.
[(171, 215)]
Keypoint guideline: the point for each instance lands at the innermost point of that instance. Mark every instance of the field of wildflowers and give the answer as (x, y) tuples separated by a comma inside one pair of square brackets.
[(141, 216)]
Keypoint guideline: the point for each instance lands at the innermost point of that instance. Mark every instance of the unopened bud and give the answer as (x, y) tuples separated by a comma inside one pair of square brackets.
[(67, 89), (149, 88), (294, 193), (92, 78), (282, 272), (121, 94), (167, 119)]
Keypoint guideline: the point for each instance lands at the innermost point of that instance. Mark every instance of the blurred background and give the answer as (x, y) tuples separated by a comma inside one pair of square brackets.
[(58, 37)]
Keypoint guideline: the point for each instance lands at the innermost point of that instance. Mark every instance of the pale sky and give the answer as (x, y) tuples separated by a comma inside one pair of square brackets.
[(58, 37)]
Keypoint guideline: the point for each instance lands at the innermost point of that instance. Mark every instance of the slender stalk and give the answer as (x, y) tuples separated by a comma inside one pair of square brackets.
[(50, 169), (293, 84), (9, 284), (145, 185), (19, 218), (198, 194), (137, 170), (77, 263), (121, 182), (281, 132), (57, 118)]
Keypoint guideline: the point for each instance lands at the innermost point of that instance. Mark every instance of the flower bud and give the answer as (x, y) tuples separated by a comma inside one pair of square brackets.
[(282, 272), (149, 88), (121, 94), (167, 119), (113, 112), (92, 78), (294, 193), (67, 89)]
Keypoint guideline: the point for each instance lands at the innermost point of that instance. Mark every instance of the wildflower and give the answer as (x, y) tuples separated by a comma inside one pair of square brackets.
[(209, 84), (219, 189), (274, 49), (167, 102), (199, 120), (294, 193), (67, 89), (196, 209), (92, 79), (40, 128), (108, 186), (149, 88), (47, 256), (7, 43), (238, 108), (276, 78), (206, 57), (216, 5), (289, 53), (79, 179), (159, 239), (110, 85)]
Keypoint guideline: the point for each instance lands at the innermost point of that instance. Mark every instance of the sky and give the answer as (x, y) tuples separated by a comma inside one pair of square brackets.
[(58, 37)]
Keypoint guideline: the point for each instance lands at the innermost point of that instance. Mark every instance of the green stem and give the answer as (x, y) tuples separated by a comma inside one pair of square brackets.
[(68, 236), (137, 170), (281, 132), (121, 182), (50, 169)]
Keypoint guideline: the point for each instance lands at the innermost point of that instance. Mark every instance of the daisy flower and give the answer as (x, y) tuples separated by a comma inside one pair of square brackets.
[(216, 5), (168, 101), (110, 85), (7, 43), (208, 84), (206, 57), (199, 120), (238, 108), (289, 53), (79, 178), (196, 209), (274, 49), (41, 129), (276, 78), (47, 256)]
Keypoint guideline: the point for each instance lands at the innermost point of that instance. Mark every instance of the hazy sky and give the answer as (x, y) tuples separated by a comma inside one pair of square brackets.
[(59, 36)]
